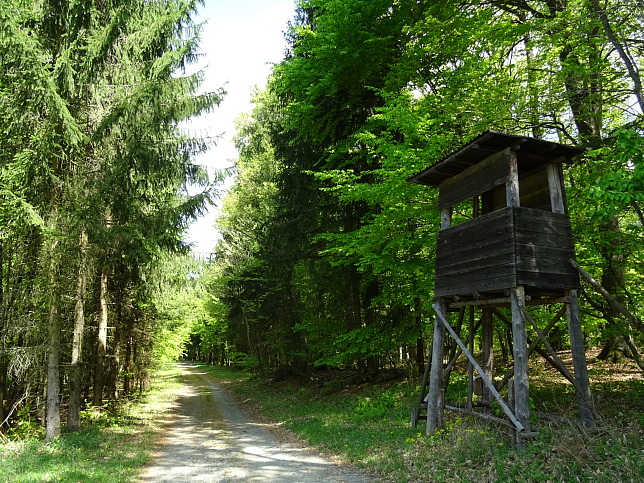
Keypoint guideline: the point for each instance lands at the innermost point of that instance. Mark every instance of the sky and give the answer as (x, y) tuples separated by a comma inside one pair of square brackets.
[(240, 40)]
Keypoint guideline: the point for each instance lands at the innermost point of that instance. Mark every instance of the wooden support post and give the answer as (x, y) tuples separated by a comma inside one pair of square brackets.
[(488, 351), (434, 408), (470, 368), (555, 186), (584, 396), (453, 349), (512, 184), (520, 350)]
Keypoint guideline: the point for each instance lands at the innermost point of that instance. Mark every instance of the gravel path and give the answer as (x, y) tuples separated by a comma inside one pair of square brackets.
[(211, 439)]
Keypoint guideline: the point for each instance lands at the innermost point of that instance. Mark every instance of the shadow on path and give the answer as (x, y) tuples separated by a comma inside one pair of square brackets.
[(211, 439)]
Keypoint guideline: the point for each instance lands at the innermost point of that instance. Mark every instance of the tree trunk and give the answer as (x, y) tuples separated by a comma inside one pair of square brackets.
[(3, 387), (52, 426), (101, 344), (73, 418), (3, 331), (628, 61)]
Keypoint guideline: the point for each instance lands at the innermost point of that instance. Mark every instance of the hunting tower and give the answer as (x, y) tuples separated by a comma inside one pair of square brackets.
[(513, 251)]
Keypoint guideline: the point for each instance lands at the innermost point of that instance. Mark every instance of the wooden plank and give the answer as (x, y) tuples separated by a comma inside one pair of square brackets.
[(544, 265), (477, 179), (545, 235), (479, 273), (478, 236), (455, 286), (494, 240), (494, 227), (547, 227), (503, 215), (527, 239), (553, 281), (475, 262), (460, 254), (540, 216)]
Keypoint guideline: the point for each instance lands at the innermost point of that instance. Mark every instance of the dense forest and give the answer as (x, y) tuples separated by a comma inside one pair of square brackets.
[(326, 257), (94, 169)]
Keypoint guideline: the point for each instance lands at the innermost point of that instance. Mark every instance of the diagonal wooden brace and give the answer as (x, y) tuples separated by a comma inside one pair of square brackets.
[(484, 378)]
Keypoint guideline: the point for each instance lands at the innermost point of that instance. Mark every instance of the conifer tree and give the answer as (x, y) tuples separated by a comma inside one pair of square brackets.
[(93, 97)]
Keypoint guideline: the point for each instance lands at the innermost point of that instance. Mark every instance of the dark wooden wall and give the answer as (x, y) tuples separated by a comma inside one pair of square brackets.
[(506, 248)]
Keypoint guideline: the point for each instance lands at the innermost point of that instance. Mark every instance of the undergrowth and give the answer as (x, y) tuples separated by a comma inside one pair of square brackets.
[(115, 442), (368, 425)]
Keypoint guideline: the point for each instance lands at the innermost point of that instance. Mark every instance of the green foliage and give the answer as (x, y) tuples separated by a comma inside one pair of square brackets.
[(333, 264), (368, 426), (92, 94), (375, 406), (113, 447)]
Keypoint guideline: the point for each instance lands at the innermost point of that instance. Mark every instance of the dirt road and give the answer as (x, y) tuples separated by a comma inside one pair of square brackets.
[(210, 439)]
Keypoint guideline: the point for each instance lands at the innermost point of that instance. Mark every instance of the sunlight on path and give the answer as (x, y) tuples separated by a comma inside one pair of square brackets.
[(211, 439)]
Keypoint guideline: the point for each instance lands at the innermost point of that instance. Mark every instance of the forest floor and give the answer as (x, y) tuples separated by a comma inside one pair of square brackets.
[(208, 437), (368, 425)]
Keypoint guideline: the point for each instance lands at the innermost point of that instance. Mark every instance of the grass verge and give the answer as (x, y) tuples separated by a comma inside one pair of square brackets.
[(112, 447), (369, 426)]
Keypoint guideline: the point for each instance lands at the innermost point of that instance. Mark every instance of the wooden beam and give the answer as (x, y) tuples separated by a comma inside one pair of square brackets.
[(614, 303), (534, 344), (488, 417), (517, 424), (434, 409), (470, 368), (584, 396), (559, 363), (520, 348), (493, 301), (421, 396), (555, 187), (488, 348), (512, 195)]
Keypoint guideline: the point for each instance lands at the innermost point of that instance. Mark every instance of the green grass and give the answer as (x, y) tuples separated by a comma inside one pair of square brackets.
[(113, 446), (363, 424), (369, 426)]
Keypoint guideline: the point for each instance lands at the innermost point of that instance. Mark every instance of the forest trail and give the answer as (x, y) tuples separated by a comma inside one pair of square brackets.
[(210, 439)]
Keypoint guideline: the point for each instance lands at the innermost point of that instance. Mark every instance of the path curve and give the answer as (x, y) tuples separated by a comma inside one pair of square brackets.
[(210, 439)]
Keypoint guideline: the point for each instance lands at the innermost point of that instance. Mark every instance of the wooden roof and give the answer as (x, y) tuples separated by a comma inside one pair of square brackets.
[(531, 153)]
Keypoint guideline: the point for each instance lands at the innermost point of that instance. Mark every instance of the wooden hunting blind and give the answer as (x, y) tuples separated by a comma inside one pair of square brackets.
[(514, 250)]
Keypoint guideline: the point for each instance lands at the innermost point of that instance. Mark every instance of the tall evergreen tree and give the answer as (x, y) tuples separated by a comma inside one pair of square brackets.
[(92, 98)]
